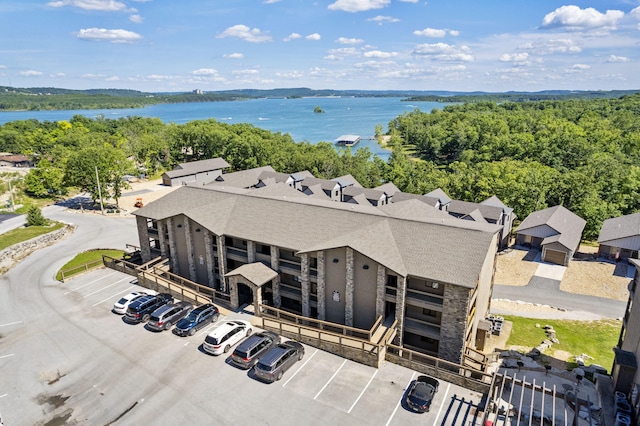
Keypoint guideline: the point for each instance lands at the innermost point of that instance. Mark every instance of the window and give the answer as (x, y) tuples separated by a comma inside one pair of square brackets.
[(429, 312), (392, 281)]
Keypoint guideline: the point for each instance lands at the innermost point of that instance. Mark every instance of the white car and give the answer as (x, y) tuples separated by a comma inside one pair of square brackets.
[(225, 335), (120, 307)]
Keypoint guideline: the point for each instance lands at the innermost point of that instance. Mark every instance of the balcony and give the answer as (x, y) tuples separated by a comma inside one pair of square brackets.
[(421, 328), (424, 300)]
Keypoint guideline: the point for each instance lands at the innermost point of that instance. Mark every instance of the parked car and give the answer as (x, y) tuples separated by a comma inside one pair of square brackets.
[(224, 336), (247, 354), (278, 360), (198, 318), (140, 310), (120, 307), (165, 316), (421, 392)]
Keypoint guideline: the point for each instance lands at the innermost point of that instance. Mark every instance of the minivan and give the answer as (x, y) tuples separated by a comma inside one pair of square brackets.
[(226, 335), (248, 352), (274, 363)]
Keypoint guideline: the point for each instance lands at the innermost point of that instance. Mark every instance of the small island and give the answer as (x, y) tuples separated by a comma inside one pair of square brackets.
[(318, 110)]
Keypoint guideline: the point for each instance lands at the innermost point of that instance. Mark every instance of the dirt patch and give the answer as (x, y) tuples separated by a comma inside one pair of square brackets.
[(585, 274)]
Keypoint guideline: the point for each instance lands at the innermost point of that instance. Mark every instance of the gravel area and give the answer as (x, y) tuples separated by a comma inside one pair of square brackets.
[(584, 275)]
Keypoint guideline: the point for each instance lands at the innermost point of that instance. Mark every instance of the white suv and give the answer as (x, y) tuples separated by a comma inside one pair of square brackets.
[(226, 335), (120, 307)]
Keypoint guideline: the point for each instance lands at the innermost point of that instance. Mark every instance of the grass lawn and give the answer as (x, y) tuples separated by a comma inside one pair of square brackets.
[(594, 338), (19, 235), (86, 260)]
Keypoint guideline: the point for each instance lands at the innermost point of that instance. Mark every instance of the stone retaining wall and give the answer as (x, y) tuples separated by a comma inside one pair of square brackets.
[(15, 253)]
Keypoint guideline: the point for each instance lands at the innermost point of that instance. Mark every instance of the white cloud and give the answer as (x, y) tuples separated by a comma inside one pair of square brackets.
[(379, 54), (580, 67), (253, 35), (515, 57), (616, 58), (292, 36), (291, 75), (410, 1), (343, 52), (92, 76), (113, 36), (383, 19), (344, 40), (113, 78), (314, 36), (57, 75), (103, 5), (31, 73), (244, 72), (635, 12), (3, 66), (573, 18), (136, 18), (444, 52), (233, 56), (547, 47), (454, 33), (205, 71), (430, 32), (358, 5), (270, 1)]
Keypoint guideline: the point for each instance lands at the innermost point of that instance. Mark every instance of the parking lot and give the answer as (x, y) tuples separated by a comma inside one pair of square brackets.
[(87, 365)]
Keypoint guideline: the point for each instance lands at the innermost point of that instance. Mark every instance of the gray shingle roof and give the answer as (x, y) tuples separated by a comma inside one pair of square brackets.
[(241, 179), (466, 208), (563, 221), (440, 195), (444, 249), (258, 273), (399, 197), (388, 188), (193, 167), (620, 227)]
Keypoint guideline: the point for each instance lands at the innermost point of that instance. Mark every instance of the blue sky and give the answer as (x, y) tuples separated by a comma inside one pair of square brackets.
[(467, 45)]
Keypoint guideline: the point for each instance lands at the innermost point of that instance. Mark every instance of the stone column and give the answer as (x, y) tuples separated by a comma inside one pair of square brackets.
[(257, 298), (193, 274), (275, 265), (161, 238), (233, 293), (381, 282), (143, 235), (401, 294), (208, 253), (348, 296), (453, 325), (304, 284), (222, 262), (322, 302), (175, 268), (251, 251)]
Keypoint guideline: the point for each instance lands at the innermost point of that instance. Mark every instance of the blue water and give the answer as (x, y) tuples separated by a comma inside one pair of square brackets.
[(341, 116)]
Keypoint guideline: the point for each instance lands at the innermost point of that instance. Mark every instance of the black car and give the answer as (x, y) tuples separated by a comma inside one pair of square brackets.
[(140, 310), (198, 318), (421, 392)]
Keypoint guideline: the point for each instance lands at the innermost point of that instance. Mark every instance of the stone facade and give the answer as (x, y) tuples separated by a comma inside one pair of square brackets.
[(15, 253), (453, 326)]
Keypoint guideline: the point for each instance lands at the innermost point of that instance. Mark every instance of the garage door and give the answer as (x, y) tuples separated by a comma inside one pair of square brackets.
[(553, 256)]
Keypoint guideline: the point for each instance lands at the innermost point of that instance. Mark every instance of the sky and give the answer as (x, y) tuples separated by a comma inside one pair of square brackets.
[(455, 45)]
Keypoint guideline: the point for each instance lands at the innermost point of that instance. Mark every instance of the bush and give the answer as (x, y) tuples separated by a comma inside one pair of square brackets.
[(35, 217)]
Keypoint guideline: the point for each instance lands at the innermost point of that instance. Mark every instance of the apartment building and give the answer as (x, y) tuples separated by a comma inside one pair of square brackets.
[(298, 246)]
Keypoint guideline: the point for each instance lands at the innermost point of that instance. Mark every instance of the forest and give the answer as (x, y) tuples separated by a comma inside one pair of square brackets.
[(580, 153)]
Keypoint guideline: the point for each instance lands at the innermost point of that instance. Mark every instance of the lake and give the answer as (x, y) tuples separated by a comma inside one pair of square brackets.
[(342, 115)]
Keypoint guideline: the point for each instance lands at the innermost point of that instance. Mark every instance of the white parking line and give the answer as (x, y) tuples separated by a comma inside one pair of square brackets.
[(332, 377), (305, 363), (10, 323), (363, 390), (400, 401), (3, 395), (113, 295), (435, 422), (6, 356), (89, 283), (104, 288)]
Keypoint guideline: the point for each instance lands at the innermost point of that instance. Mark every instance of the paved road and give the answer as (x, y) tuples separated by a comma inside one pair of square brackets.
[(546, 291), (11, 221)]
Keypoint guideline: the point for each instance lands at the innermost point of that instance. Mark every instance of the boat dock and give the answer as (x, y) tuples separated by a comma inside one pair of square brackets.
[(347, 140)]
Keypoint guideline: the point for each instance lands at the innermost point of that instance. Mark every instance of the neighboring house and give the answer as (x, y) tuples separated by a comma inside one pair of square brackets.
[(441, 199), (620, 237), (491, 210), (556, 231), (195, 172), (15, 160), (625, 374), (339, 262)]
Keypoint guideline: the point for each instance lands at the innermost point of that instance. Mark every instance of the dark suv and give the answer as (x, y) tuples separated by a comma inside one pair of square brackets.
[(198, 318), (248, 352), (140, 310)]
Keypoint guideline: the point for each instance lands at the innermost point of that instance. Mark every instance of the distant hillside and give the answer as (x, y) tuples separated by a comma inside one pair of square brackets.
[(51, 98)]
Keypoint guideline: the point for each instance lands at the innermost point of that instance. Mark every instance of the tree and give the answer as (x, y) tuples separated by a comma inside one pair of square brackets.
[(35, 217), (45, 180)]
